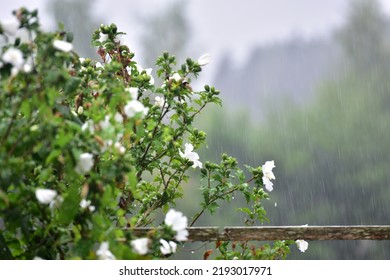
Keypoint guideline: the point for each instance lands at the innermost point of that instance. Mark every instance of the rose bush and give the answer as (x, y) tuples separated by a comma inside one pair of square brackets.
[(91, 150)]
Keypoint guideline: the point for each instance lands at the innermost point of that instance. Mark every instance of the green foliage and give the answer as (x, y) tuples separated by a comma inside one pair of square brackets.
[(90, 151)]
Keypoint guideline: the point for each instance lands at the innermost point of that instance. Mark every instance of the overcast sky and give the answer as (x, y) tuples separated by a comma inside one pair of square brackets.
[(221, 26)]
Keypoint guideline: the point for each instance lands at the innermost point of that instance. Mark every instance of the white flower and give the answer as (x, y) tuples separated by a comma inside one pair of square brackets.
[(10, 26), (176, 77), (133, 107), (118, 117), (133, 92), (204, 59), (190, 155), (267, 169), (104, 124), (178, 222), (87, 204), (167, 248), (13, 56), (45, 196), (160, 102), (268, 175), (302, 245), (85, 163), (62, 45), (27, 68), (103, 37), (140, 245), (104, 253)]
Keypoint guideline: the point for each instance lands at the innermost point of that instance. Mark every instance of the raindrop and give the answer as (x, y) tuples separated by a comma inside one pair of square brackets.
[(276, 204), (192, 252), (232, 197)]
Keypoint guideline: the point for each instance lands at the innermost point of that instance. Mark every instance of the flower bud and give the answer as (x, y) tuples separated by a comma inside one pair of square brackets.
[(113, 28), (80, 110)]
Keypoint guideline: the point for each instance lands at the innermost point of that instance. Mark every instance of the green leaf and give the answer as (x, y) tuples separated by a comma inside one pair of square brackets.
[(71, 85), (70, 206)]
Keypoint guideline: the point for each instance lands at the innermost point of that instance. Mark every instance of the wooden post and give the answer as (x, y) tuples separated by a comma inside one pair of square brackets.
[(283, 233)]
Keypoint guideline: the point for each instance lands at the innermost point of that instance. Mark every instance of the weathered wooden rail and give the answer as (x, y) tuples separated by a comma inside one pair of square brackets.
[(262, 233)]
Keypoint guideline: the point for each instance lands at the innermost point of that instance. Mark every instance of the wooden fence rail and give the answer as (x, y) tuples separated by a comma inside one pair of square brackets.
[(263, 233)]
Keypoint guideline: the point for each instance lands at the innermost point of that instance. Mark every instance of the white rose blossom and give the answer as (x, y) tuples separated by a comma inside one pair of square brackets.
[(302, 245), (140, 245), (48, 196), (13, 56), (167, 248), (62, 45), (268, 175), (45, 196), (104, 253), (204, 59), (10, 26), (133, 107), (178, 222), (190, 155), (85, 163)]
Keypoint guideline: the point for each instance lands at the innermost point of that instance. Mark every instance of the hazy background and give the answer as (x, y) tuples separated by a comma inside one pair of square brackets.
[(304, 82)]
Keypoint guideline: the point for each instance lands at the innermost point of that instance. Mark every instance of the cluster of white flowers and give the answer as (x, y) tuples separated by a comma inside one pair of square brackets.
[(48, 196), (14, 57), (177, 222), (190, 155), (84, 204), (268, 175)]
